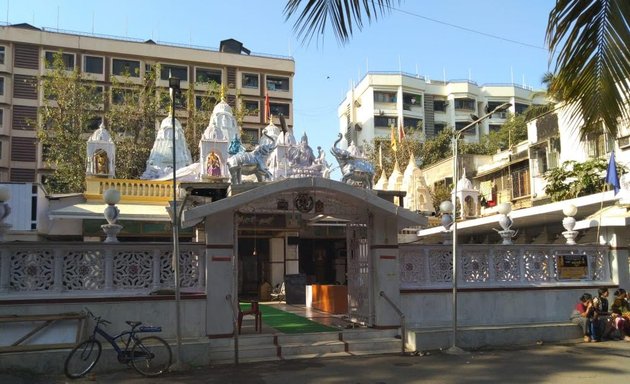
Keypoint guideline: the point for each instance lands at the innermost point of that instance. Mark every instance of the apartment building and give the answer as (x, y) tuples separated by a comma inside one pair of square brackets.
[(25, 50), (425, 107)]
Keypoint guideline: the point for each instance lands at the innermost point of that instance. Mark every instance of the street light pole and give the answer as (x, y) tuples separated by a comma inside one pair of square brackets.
[(456, 135), (174, 85)]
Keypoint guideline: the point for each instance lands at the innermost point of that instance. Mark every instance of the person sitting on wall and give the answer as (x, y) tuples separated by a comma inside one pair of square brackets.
[(602, 317), (620, 313), (583, 316)]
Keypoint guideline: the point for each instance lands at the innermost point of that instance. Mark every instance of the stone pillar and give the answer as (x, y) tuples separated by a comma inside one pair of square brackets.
[(385, 269), (221, 259), (619, 256)]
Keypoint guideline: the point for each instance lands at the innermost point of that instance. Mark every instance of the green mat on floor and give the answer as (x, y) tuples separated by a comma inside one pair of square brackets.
[(287, 322)]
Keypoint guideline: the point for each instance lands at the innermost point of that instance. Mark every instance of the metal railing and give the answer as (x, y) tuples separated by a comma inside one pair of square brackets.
[(400, 313)]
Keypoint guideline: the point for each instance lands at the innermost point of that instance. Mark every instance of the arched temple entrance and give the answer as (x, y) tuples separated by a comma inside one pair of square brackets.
[(344, 233)]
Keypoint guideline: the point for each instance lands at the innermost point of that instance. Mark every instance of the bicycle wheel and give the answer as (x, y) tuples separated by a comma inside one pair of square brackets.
[(82, 358), (151, 356)]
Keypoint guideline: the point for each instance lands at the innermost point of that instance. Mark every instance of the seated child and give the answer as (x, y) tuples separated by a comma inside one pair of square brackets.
[(583, 316), (621, 313)]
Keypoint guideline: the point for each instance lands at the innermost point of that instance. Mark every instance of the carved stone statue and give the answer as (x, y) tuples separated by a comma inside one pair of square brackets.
[(353, 170), (251, 163)]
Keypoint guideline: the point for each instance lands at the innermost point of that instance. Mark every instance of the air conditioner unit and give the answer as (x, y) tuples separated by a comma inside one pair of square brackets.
[(357, 104), (624, 142)]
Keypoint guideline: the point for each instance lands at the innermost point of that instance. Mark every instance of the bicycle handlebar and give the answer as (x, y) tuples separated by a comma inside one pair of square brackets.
[(98, 319)]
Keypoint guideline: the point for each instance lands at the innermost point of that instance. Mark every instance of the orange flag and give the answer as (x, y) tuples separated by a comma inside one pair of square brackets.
[(267, 108), (393, 143), (401, 131)]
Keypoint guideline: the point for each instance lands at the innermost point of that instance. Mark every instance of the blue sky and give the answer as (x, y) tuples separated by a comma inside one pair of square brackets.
[(406, 39)]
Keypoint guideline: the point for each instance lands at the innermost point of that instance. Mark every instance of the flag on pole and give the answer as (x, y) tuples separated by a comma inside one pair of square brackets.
[(267, 108), (401, 131), (612, 177), (393, 139)]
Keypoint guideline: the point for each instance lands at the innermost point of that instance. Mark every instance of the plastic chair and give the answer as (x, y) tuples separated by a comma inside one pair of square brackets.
[(278, 293), (253, 311)]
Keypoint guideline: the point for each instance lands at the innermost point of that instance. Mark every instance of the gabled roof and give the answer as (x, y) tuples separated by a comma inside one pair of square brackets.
[(358, 197)]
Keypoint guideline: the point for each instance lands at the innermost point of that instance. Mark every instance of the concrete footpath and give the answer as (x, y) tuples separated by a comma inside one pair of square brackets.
[(606, 362)]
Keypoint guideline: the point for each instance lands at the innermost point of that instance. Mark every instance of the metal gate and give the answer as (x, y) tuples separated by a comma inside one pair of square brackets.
[(359, 274)]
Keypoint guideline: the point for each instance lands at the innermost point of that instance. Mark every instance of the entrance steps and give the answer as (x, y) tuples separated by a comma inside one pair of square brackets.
[(253, 348)]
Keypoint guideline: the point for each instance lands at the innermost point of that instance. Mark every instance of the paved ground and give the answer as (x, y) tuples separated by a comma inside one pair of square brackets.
[(607, 362)]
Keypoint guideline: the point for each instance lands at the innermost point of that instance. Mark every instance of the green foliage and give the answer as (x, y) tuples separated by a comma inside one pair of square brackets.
[(573, 179), (589, 41), (132, 120), (513, 131), (70, 104)]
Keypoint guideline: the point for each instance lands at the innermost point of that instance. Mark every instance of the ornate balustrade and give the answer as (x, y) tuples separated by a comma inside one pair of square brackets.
[(94, 269), (496, 266), (130, 190)]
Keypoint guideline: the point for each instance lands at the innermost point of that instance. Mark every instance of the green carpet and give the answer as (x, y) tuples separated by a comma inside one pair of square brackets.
[(287, 322)]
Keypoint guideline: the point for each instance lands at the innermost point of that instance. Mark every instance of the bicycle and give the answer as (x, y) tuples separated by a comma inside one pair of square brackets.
[(150, 355)]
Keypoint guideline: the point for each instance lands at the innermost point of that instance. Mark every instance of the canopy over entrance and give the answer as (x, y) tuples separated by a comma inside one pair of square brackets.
[(288, 208)]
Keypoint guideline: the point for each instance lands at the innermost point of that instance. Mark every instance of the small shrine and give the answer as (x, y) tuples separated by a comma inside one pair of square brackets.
[(101, 154), (468, 197)]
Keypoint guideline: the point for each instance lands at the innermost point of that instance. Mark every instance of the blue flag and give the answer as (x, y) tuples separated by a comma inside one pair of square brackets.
[(611, 174)]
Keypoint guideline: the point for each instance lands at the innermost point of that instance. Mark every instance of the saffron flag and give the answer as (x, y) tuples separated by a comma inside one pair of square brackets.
[(401, 132), (393, 143), (612, 177), (267, 108)]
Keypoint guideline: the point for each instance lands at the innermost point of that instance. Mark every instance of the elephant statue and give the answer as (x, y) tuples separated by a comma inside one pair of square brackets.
[(353, 170), (251, 163)]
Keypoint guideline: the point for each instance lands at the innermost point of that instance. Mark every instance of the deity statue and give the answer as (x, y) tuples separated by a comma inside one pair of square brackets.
[(301, 155), (213, 165)]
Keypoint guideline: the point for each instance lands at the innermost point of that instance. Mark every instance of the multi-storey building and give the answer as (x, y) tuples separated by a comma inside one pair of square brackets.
[(25, 50), (425, 107)]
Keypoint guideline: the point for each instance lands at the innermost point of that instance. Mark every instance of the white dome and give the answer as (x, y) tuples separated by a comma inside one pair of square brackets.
[(100, 135)]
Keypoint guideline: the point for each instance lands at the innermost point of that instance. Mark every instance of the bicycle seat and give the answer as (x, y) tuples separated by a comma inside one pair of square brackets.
[(133, 324)]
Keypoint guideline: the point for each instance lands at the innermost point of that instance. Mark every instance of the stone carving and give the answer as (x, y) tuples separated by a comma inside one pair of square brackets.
[(353, 170), (250, 163)]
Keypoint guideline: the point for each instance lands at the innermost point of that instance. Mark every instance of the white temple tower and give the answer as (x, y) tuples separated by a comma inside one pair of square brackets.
[(160, 161)]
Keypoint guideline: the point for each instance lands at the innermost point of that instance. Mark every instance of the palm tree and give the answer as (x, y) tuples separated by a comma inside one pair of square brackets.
[(590, 42), (344, 16)]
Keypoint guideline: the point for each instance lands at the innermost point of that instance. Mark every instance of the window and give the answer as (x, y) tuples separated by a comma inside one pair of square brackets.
[(465, 104), (385, 121), (520, 108), (178, 71), (250, 80), (250, 136), (520, 181), (438, 127), (121, 67), (463, 124), (412, 123), (204, 102), (1, 86), (275, 83), (1, 118), (121, 96), (384, 97), (439, 105), (277, 109), (67, 59), (93, 64), (599, 144), (93, 123), (98, 93), (410, 100), (204, 75), (494, 128), (2, 50), (251, 107)]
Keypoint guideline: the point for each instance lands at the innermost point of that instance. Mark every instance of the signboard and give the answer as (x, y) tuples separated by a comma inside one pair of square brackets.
[(572, 267)]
